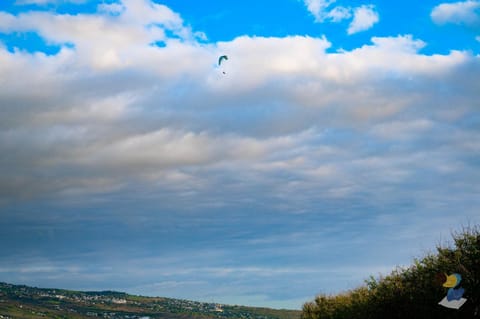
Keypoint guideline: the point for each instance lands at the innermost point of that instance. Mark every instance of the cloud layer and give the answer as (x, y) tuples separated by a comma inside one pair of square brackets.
[(465, 12), (132, 134)]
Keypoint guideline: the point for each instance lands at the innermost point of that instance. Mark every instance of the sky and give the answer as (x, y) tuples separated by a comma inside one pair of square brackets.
[(340, 139)]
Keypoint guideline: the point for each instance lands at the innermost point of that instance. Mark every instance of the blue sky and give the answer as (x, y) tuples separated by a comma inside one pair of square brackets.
[(339, 140)]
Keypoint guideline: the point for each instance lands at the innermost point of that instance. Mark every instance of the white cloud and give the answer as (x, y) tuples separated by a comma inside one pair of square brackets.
[(111, 8), (339, 13), (465, 12), (319, 8), (364, 17), (321, 11), (105, 41)]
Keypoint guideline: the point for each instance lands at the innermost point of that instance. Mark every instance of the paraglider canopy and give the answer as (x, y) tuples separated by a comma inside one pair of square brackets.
[(221, 59)]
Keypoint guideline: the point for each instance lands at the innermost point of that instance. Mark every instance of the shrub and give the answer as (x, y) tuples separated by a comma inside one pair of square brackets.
[(412, 292)]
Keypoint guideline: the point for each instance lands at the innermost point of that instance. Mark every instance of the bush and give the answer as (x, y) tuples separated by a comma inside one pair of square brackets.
[(412, 292)]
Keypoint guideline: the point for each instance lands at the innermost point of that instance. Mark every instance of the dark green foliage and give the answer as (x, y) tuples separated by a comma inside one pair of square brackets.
[(412, 292)]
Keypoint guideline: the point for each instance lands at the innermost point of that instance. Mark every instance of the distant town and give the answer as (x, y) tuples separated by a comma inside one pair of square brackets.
[(18, 301)]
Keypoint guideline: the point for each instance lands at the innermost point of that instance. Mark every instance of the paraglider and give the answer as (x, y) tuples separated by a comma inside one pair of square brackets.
[(220, 61)]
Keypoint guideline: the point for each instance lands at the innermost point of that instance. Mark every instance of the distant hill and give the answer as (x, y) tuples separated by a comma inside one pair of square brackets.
[(19, 301)]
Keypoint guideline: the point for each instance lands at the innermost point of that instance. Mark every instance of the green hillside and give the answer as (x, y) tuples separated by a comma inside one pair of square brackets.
[(412, 292), (28, 302)]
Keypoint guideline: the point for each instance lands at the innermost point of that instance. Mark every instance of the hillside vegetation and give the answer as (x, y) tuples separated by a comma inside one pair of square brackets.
[(412, 292)]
